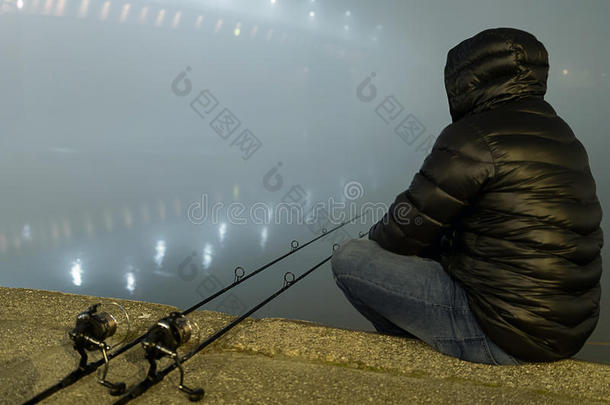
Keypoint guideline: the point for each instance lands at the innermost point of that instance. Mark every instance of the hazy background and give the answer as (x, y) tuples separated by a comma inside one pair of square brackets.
[(100, 157)]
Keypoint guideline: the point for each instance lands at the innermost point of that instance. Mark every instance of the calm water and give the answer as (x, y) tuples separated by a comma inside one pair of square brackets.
[(134, 132)]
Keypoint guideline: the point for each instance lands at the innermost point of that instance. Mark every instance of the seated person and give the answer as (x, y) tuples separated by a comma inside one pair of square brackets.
[(492, 255)]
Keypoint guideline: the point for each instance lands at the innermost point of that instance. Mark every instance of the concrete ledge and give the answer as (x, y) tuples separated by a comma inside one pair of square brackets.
[(272, 361)]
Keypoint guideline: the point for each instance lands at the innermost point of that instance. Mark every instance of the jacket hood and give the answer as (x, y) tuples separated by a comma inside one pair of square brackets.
[(494, 66)]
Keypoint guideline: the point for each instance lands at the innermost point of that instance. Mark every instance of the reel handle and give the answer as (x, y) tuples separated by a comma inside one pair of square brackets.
[(193, 394), (115, 389)]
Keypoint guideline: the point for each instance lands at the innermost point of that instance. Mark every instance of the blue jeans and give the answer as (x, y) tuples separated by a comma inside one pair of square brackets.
[(413, 296)]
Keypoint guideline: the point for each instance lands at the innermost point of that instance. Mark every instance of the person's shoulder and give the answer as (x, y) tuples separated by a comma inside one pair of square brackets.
[(521, 115), (513, 113), (460, 133)]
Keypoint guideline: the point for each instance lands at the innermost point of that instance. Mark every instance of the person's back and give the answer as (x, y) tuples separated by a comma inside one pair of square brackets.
[(507, 202), (527, 249)]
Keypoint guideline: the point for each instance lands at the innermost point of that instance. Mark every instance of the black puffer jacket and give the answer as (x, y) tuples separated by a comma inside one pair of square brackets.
[(507, 203)]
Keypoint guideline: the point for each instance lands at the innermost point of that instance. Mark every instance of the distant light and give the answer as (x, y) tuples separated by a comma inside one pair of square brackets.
[(160, 249), (565, 72), (130, 282), (207, 255), (222, 231), (272, 1), (218, 26), (162, 210), (47, 6), (264, 235), (160, 18), (19, 4), (76, 272), (348, 13), (61, 6), (312, 14), (236, 191), (198, 22), (84, 6), (346, 27), (237, 29), (124, 13), (176, 21), (26, 232), (105, 11), (143, 15), (127, 218)]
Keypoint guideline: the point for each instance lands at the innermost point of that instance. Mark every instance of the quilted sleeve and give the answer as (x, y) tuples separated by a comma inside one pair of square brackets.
[(451, 177)]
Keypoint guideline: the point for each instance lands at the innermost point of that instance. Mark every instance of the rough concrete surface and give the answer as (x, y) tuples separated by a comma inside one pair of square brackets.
[(272, 361)]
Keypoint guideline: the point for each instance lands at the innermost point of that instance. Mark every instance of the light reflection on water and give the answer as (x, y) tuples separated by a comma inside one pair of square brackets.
[(160, 249), (76, 271)]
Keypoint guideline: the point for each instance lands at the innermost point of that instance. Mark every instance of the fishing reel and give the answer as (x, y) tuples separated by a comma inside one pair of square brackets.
[(93, 328), (163, 340)]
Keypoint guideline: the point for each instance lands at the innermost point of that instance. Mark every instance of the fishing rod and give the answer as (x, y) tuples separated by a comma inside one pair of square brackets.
[(93, 328), (239, 278), (154, 353)]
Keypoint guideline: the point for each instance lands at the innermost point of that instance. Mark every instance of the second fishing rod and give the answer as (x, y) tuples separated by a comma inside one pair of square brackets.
[(92, 328)]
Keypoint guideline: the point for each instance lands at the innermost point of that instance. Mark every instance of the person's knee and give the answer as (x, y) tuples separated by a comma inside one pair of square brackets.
[(347, 257), (340, 259)]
